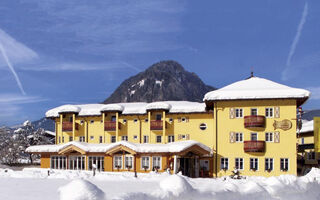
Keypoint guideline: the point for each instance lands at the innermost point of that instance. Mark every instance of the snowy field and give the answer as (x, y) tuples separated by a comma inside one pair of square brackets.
[(35, 184)]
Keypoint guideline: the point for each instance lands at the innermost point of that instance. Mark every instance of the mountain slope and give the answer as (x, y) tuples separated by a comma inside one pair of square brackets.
[(163, 81)]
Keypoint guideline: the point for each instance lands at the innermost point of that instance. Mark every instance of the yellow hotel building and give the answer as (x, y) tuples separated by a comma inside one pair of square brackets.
[(249, 125)]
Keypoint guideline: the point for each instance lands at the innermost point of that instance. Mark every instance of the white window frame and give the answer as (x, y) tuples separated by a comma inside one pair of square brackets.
[(239, 161), (82, 139), (254, 133), (145, 139), (132, 161), (170, 138), (204, 125), (160, 162), (135, 121), (142, 161), (114, 161), (157, 137), (253, 109), (267, 136), (238, 113), (92, 121), (53, 162), (224, 162), (255, 162), (267, 110), (124, 138), (99, 159), (238, 137), (135, 137), (115, 139), (183, 119), (71, 159), (285, 162), (268, 160), (91, 137)]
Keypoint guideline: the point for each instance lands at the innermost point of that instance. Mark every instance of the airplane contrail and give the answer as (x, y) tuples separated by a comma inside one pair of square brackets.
[(5, 56), (298, 34)]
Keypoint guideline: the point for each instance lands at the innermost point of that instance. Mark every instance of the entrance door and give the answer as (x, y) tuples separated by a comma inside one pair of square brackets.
[(189, 166)]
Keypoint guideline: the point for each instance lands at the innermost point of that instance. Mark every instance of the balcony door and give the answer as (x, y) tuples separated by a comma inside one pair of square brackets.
[(113, 118), (158, 117)]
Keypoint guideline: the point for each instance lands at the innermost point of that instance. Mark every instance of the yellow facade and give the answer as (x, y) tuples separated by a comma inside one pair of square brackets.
[(186, 126)]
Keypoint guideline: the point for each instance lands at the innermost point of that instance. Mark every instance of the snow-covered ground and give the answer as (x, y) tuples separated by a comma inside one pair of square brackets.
[(73, 185)]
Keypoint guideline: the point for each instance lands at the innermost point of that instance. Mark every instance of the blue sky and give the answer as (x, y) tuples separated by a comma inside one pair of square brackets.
[(79, 51)]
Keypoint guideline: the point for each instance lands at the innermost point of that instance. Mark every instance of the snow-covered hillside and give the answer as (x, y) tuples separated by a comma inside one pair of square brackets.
[(73, 185)]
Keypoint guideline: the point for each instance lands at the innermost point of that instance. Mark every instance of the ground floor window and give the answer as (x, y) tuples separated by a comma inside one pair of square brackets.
[(170, 138), (128, 162), (145, 139), (113, 139), (77, 162), (158, 138), (269, 164), (254, 163), (96, 162), (82, 139), (224, 164), (311, 155), (239, 163), (124, 138), (156, 162), (100, 139), (58, 162), (145, 162), (117, 162), (284, 164)]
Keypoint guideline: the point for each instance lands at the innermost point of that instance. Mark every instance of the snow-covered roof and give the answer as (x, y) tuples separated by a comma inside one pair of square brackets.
[(112, 107), (69, 108), (174, 147), (307, 126), (160, 105), (50, 133), (132, 108), (256, 88)]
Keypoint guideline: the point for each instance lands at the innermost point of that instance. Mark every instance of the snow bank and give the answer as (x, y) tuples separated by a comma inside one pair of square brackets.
[(307, 126), (81, 190), (176, 185), (256, 88)]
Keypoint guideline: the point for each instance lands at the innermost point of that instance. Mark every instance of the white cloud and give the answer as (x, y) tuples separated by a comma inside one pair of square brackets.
[(16, 51)]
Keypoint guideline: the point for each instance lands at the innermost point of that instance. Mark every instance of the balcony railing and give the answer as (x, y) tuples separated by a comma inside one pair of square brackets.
[(254, 146), (254, 121), (110, 126), (68, 126), (156, 125)]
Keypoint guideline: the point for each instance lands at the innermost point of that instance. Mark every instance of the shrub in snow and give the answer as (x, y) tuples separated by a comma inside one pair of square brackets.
[(80, 190)]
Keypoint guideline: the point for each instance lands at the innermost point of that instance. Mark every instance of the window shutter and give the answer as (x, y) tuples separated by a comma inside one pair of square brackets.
[(187, 136), (277, 137), (187, 119), (232, 137), (179, 136), (277, 112), (231, 114), (179, 119)]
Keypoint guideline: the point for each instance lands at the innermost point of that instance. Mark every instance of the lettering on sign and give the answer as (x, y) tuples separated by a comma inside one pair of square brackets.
[(284, 124)]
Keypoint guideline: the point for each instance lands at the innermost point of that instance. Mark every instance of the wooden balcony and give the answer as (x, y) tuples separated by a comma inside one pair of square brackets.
[(254, 146), (68, 126), (252, 121), (156, 125), (110, 126)]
